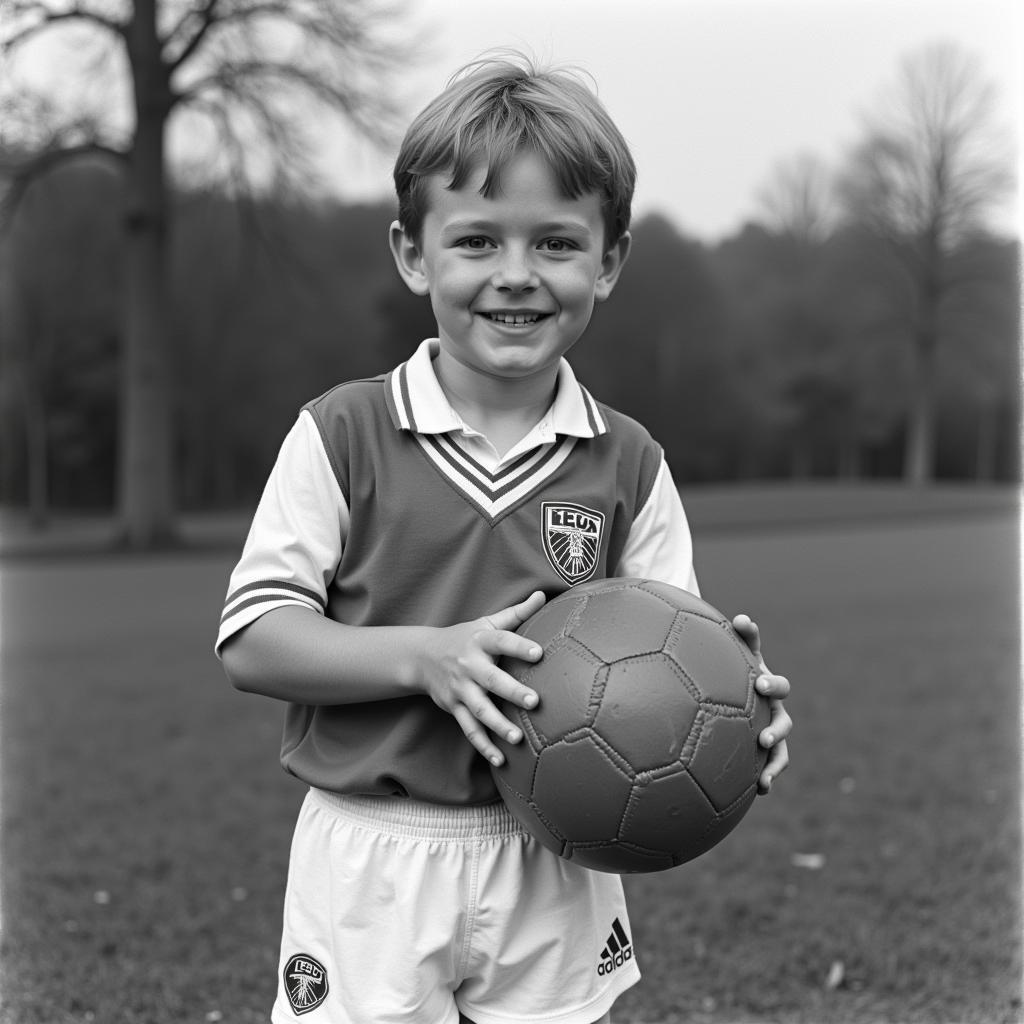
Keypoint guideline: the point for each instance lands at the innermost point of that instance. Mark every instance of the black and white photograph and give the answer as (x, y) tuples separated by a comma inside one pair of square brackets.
[(511, 513)]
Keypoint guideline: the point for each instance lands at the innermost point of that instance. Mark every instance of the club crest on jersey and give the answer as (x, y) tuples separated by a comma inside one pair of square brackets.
[(305, 981), (572, 539)]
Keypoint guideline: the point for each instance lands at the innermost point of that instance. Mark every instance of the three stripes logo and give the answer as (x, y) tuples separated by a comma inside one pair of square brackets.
[(617, 950), (305, 982)]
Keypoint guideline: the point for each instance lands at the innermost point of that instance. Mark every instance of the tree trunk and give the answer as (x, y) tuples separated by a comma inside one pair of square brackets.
[(919, 454), (986, 445), (146, 450), (37, 448)]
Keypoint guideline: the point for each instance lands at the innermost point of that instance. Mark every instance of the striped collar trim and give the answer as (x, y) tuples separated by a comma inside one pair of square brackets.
[(494, 494), (417, 403)]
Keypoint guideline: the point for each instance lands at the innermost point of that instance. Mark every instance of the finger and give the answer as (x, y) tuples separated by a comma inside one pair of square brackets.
[(778, 762), (770, 685), (513, 617), (747, 629), (498, 643), (477, 734), (477, 699), (778, 728), (498, 682)]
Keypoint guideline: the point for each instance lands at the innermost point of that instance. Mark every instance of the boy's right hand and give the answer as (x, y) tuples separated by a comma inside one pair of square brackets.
[(462, 673)]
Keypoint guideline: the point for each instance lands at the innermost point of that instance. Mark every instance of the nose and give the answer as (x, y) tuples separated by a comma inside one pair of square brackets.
[(515, 271)]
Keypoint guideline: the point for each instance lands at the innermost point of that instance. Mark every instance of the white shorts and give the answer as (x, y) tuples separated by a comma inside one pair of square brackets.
[(401, 911)]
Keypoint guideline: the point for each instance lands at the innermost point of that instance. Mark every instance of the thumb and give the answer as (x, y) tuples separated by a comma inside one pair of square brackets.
[(513, 617)]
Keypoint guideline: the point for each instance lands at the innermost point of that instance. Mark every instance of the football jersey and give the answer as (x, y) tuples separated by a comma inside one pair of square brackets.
[(384, 508)]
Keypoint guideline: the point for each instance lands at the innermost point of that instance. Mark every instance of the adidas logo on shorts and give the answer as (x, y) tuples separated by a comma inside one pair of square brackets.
[(617, 950)]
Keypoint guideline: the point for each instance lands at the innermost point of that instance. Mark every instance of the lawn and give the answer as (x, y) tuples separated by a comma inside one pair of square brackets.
[(146, 822)]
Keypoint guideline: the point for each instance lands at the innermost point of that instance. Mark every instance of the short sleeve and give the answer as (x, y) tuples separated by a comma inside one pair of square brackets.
[(296, 538), (659, 545)]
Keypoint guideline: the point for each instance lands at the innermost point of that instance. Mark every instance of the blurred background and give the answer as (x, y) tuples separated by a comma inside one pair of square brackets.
[(196, 193)]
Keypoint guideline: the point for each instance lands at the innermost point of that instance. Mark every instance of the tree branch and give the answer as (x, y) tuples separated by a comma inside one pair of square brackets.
[(349, 31), (230, 109), (207, 18), (239, 183), (243, 80), (48, 18), (213, 16)]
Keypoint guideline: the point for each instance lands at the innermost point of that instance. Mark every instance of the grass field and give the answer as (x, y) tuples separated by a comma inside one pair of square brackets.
[(146, 822)]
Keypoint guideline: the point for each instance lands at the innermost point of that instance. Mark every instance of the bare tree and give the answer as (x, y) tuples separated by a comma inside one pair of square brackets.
[(252, 80), (796, 206), (797, 199), (925, 177)]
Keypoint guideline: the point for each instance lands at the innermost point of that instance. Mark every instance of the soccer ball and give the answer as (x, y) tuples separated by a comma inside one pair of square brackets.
[(642, 752)]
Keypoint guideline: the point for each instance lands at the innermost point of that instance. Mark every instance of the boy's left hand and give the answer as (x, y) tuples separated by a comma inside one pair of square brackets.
[(776, 688)]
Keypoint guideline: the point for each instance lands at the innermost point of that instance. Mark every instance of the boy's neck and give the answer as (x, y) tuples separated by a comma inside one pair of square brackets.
[(503, 409)]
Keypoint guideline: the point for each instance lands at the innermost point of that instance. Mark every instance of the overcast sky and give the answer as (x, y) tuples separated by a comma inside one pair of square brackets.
[(711, 93)]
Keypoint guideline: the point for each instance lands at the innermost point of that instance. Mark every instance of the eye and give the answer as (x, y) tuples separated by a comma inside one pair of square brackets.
[(557, 245), (475, 243)]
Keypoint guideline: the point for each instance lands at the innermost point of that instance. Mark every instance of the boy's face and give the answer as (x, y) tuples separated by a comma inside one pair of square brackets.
[(512, 278)]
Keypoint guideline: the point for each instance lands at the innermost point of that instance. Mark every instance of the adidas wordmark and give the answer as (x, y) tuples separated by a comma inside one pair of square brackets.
[(617, 950)]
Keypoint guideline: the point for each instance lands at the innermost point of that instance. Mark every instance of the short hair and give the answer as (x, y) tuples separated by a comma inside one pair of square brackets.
[(497, 107)]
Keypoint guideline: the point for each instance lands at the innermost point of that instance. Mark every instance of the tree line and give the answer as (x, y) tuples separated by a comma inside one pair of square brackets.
[(766, 355)]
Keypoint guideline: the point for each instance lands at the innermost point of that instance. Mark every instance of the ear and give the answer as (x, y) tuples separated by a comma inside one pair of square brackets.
[(408, 259), (611, 266)]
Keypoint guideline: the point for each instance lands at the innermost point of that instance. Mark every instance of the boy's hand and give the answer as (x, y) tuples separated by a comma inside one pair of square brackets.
[(462, 673), (776, 688)]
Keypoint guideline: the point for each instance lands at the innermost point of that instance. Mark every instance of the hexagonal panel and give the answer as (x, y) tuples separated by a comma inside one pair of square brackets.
[(670, 813), (580, 791), (714, 658), (724, 763), (622, 623), (548, 624), (725, 823), (646, 711)]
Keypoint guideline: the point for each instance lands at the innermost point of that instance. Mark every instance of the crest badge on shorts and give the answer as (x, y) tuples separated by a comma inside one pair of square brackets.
[(572, 539), (305, 982)]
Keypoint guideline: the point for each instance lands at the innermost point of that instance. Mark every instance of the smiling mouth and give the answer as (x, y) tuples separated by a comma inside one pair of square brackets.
[(516, 319)]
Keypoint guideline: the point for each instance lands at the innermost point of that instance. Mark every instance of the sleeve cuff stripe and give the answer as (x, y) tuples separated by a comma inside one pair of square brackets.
[(293, 588), (271, 590), (271, 598)]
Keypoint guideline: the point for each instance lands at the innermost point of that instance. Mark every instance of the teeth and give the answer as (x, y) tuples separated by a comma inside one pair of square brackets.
[(514, 319)]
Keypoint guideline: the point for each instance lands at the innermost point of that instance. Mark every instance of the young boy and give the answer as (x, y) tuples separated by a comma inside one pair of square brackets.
[(400, 542)]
